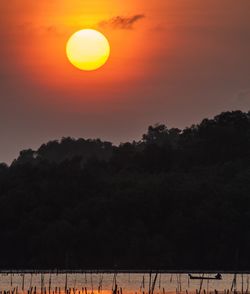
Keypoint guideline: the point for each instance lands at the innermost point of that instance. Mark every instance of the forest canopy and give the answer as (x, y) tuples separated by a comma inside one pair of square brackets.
[(176, 199)]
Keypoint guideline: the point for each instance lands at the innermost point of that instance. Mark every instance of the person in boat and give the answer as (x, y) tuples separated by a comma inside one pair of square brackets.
[(218, 276)]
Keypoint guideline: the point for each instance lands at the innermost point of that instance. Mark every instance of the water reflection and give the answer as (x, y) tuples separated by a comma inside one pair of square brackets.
[(106, 283)]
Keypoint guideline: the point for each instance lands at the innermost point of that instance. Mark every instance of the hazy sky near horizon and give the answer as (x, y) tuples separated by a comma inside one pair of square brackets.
[(172, 61)]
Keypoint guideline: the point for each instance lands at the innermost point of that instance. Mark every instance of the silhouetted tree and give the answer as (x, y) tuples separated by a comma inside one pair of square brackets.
[(175, 199)]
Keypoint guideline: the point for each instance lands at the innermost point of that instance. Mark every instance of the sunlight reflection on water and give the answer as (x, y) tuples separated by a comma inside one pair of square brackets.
[(103, 283)]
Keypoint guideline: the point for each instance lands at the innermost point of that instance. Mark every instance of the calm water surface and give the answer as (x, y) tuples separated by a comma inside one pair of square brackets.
[(103, 283)]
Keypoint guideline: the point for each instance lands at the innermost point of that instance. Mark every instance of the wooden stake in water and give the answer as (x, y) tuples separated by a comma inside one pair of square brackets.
[(75, 284), (201, 284), (92, 286), (149, 284), (114, 282), (154, 282), (66, 282), (23, 283), (180, 285), (100, 284), (234, 283), (247, 284), (142, 287), (177, 282), (49, 282), (31, 278), (242, 283), (115, 289), (42, 281)]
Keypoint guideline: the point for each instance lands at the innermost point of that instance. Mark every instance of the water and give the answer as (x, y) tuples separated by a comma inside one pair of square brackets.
[(104, 283)]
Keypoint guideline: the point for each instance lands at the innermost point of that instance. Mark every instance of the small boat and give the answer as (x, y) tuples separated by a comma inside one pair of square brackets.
[(216, 277)]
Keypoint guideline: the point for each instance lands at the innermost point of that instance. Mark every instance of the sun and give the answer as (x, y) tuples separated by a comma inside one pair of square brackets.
[(88, 49)]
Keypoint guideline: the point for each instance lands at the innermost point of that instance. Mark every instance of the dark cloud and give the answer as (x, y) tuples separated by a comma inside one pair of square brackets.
[(122, 23)]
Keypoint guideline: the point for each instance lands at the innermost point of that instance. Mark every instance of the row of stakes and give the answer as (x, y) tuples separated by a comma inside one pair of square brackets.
[(116, 290)]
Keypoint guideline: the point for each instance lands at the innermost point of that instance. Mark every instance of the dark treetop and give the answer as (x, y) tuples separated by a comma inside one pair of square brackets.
[(177, 199)]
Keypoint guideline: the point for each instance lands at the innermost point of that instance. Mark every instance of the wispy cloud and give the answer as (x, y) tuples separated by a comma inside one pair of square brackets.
[(122, 23)]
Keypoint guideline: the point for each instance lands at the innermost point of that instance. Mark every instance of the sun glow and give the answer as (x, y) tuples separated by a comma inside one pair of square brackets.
[(88, 49)]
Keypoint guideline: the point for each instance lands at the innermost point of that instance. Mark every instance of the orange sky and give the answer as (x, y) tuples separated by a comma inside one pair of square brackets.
[(179, 61)]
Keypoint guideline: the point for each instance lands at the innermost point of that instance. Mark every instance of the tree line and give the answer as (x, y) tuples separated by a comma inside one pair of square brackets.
[(176, 199)]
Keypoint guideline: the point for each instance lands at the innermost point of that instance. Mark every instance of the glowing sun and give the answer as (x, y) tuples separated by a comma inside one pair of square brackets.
[(88, 49)]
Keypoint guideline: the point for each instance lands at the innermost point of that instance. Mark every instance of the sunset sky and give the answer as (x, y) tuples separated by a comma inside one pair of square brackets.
[(172, 61)]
